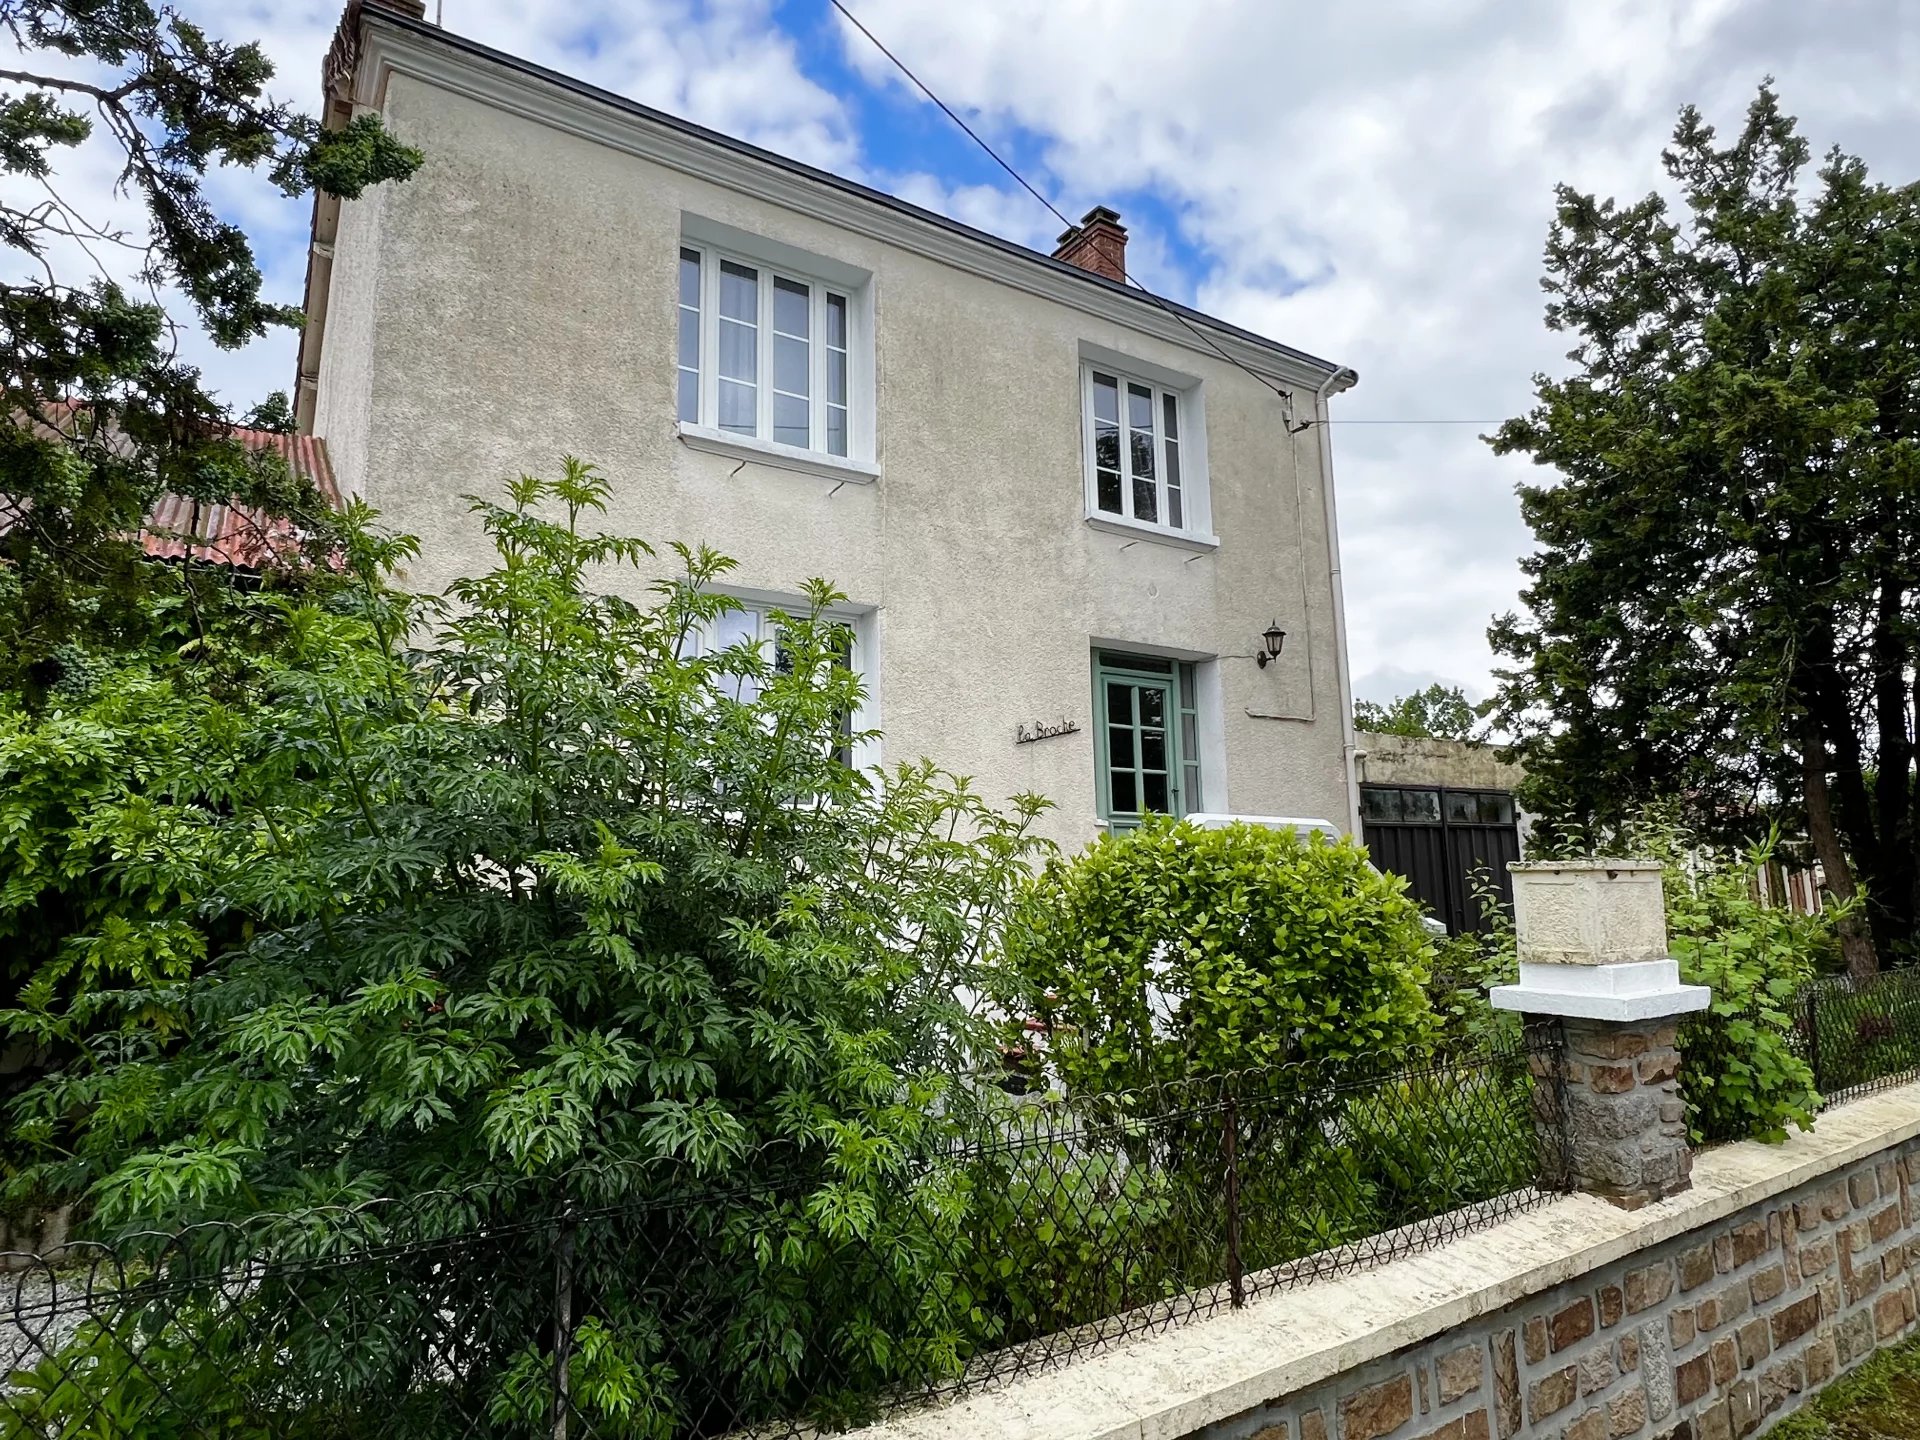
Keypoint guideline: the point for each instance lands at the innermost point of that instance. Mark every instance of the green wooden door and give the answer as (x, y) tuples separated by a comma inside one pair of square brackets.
[(1141, 745)]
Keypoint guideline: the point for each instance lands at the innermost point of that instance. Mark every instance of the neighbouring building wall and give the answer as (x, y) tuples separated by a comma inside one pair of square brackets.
[(1457, 764), (1706, 1336), (515, 301)]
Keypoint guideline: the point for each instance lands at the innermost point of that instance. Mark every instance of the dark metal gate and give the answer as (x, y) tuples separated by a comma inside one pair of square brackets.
[(1440, 839)]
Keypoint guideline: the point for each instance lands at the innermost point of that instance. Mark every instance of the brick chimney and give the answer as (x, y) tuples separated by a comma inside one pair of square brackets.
[(1098, 243)]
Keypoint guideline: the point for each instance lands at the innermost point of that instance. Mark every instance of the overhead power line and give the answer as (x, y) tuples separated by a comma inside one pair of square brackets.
[(1021, 180)]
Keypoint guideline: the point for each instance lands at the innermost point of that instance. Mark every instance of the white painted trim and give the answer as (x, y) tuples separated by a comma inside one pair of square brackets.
[(780, 457), (1159, 534), (1214, 795), (771, 263), (1180, 1380), (1196, 505), (1342, 664), (1630, 990), (389, 48), (1303, 826), (1105, 357)]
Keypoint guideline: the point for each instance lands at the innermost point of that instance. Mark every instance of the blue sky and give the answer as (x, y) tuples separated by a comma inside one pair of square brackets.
[(1371, 183)]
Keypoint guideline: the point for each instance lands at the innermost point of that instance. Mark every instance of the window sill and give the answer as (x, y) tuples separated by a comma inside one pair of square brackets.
[(780, 457), (1158, 534)]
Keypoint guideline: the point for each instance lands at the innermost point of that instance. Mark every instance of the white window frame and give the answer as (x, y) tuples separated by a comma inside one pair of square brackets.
[(1195, 529), (706, 425), (861, 659)]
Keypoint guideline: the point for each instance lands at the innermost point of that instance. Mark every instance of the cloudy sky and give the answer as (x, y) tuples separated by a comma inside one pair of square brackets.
[(1370, 182)]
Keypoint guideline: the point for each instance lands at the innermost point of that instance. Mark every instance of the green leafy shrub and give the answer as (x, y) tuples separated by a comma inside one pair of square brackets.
[(1434, 1142), (1176, 951), (1467, 966), (1056, 1236), (1743, 1074), (525, 904)]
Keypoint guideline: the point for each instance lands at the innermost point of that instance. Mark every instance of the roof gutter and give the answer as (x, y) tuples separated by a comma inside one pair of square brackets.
[(1341, 379)]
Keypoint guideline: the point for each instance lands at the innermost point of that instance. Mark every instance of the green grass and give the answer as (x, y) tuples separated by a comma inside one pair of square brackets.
[(1878, 1401)]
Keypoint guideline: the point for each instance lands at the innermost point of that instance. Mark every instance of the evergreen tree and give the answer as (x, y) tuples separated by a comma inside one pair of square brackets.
[(1722, 604), (98, 415)]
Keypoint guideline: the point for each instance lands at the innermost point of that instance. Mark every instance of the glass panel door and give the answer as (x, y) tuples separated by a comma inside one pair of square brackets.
[(1143, 762)]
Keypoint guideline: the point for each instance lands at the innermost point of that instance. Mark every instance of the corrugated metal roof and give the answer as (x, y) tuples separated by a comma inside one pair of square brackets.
[(181, 529)]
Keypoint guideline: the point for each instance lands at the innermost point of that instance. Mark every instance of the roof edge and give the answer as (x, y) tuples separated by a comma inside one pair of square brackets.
[(393, 40)]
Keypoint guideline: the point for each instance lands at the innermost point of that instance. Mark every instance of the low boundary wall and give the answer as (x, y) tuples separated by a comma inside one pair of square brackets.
[(1701, 1317)]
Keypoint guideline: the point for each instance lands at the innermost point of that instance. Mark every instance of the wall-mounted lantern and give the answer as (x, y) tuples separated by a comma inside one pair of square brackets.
[(1274, 638)]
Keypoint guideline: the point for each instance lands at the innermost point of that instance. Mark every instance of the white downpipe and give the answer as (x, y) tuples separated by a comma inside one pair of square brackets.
[(1342, 379)]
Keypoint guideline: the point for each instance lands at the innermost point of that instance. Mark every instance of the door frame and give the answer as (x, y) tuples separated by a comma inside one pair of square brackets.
[(1139, 670)]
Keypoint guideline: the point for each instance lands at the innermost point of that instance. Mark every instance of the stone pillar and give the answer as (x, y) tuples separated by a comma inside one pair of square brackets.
[(1592, 939)]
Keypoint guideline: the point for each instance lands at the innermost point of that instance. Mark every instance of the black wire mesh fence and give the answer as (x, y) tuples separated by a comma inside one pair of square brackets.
[(1863, 1035), (793, 1304), (1836, 1038)]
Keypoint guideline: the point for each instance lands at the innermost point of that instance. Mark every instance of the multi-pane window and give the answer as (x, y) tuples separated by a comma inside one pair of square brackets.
[(755, 625), (1147, 741), (1428, 805), (763, 354), (1136, 460)]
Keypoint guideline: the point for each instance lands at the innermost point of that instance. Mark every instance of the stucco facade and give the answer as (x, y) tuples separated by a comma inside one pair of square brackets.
[(516, 301)]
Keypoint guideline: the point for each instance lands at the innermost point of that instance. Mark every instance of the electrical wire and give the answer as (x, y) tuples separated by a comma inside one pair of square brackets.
[(1021, 180)]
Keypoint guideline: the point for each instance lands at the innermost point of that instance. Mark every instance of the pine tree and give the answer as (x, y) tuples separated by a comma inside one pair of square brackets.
[(1722, 604)]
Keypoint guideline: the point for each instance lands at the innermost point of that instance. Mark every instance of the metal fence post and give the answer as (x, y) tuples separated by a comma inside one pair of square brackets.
[(562, 1324), (1230, 1149), (1813, 1037)]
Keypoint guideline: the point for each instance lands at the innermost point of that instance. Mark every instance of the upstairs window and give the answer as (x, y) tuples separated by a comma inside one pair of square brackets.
[(1139, 461), (764, 354)]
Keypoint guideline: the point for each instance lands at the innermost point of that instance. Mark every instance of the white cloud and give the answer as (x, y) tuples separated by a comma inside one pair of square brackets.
[(1399, 158), (1370, 182), (722, 63), (1014, 215)]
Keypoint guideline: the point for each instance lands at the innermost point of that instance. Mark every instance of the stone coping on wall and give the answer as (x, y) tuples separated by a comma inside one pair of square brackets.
[(1169, 1385)]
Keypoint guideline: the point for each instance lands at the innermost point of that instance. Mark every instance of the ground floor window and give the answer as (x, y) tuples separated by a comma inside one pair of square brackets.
[(754, 624), (1146, 738)]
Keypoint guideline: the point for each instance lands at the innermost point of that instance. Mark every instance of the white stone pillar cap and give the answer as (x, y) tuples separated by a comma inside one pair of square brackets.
[(1636, 990), (1592, 942)]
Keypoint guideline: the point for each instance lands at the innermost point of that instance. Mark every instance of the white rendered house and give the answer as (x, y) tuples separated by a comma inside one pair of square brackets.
[(1065, 514)]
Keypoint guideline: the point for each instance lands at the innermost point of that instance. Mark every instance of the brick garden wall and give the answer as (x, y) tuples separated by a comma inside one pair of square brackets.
[(1710, 1335)]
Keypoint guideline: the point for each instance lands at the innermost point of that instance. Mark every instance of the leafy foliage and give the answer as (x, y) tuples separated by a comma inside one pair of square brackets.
[(1470, 964), (1745, 1072), (98, 415), (106, 792), (544, 886), (1720, 606), (518, 900), (1439, 712), (1179, 951), (1074, 1220)]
